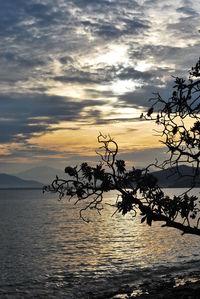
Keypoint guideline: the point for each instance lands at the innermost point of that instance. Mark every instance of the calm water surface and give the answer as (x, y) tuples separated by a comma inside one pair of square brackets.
[(46, 251)]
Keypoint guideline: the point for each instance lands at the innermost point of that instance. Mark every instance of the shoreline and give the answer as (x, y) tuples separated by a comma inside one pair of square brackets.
[(178, 287), (168, 290)]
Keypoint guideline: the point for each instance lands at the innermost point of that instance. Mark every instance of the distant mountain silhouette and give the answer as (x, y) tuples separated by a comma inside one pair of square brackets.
[(38, 176), (169, 178), (11, 182), (44, 174)]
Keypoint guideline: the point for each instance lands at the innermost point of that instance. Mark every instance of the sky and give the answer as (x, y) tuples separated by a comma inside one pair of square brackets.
[(72, 69)]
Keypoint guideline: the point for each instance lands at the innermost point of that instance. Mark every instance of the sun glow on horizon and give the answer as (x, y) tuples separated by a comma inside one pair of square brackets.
[(83, 140)]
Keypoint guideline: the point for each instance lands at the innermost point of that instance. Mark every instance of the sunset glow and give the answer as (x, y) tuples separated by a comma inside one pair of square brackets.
[(100, 149), (69, 72)]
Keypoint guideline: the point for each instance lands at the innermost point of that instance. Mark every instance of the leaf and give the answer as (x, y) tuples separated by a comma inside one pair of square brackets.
[(143, 219), (174, 93), (149, 220)]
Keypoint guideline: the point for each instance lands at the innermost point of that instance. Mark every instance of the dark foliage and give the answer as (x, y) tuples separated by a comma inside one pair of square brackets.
[(179, 122)]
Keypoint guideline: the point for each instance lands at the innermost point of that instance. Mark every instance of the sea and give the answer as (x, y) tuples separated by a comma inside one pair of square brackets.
[(48, 251)]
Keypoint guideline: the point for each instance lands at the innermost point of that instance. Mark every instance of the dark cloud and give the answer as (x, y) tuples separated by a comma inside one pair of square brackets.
[(135, 26), (103, 75), (11, 13), (151, 2), (85, 3), (141, 96), (184, 26), (66, 59), (37, 10), (131, 73), (81, 76), (169, 54), (24, 116), (17, 60), (108, 30), (160, 52), (187, 11)]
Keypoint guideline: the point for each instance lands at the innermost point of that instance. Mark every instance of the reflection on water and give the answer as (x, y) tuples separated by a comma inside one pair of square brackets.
[(47, 250)]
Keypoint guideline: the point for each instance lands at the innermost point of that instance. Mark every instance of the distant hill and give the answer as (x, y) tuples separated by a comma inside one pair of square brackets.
[(44, 174), (170, 179), (11, 182), (38, 176)]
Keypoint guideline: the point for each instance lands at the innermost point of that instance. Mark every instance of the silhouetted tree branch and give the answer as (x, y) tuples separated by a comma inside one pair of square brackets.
[(138, 190), (179, 120)]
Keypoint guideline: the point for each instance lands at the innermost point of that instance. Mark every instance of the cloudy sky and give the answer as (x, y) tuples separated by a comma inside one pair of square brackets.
[(72, 68)]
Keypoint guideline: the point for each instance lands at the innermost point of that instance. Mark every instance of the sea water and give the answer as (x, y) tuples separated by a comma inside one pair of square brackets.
[(47, 251)]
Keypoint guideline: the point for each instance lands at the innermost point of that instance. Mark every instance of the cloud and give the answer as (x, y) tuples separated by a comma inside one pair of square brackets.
[(132, 73), (187, 11), (23, 116), (112, 31), (84, 49), (102, 75), (141, 96)]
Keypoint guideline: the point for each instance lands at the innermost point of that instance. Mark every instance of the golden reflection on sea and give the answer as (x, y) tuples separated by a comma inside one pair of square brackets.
[(108, 242)]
